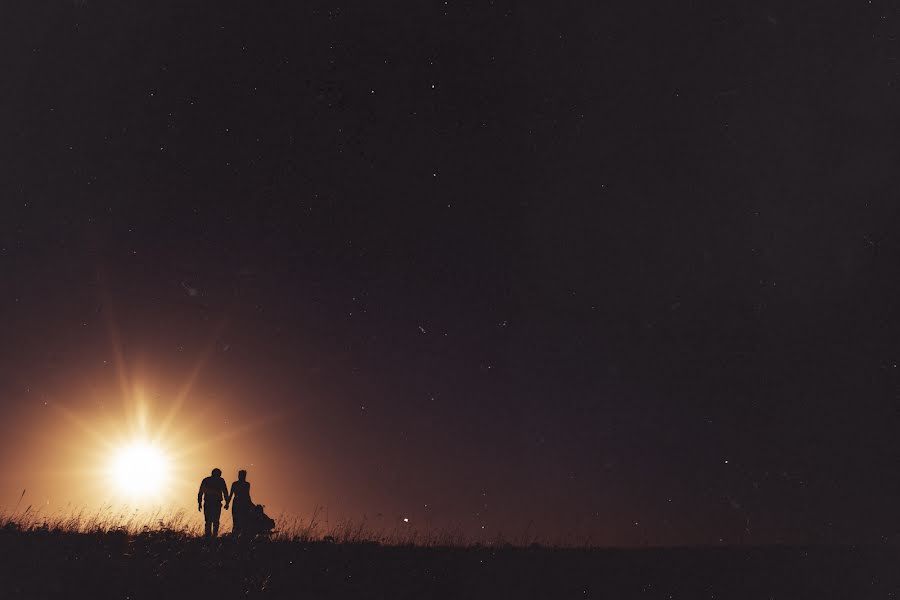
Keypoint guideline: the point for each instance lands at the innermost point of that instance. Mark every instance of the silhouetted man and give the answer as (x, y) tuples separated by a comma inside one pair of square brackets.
[(240, 502), (209, 500)]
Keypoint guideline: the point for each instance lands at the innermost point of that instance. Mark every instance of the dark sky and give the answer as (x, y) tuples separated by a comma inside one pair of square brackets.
[(624, 271)]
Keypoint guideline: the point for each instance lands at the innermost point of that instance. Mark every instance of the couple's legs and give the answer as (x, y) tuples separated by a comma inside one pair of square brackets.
[(214, 525), (212, 514)]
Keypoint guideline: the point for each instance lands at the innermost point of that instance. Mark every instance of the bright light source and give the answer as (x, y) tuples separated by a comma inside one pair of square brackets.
[(139, 468)]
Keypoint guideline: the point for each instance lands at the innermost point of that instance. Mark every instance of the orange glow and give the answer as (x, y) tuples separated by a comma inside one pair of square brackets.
[(137, 430), (122, 457)]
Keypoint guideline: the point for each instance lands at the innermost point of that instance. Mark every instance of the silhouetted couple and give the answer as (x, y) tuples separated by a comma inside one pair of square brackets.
[(209, 499)]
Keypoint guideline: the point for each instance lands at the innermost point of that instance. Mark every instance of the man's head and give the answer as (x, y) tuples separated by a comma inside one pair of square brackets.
[(217, 472), (242, 475)]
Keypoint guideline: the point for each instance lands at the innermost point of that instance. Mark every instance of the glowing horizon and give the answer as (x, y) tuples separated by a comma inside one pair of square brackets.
[(138, 439)]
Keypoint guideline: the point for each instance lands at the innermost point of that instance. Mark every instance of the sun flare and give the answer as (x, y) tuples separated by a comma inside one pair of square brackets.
[(139, 468), (144, 444)]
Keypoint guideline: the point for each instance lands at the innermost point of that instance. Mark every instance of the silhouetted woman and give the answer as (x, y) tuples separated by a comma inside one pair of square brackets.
[(240, 502)]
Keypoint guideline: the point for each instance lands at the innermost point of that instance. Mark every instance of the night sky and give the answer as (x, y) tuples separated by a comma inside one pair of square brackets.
[(624, 272)]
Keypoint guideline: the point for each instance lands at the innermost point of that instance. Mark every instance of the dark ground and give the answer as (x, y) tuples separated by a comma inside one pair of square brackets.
[(154, 565)]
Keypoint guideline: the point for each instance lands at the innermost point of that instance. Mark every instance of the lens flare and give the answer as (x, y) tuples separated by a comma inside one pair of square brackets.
[(139, 468), (141, 445)]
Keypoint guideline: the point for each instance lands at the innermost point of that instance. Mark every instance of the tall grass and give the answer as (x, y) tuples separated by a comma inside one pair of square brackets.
[(105, 519), (289, 528)]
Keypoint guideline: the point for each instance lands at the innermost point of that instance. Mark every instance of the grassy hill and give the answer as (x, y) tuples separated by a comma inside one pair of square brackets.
[(165, 563)]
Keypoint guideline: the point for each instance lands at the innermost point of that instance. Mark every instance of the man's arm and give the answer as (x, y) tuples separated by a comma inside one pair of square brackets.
[(200, 498), (225, 494)]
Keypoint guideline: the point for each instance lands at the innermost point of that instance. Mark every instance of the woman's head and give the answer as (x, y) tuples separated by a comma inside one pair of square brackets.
[(242, 475)]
